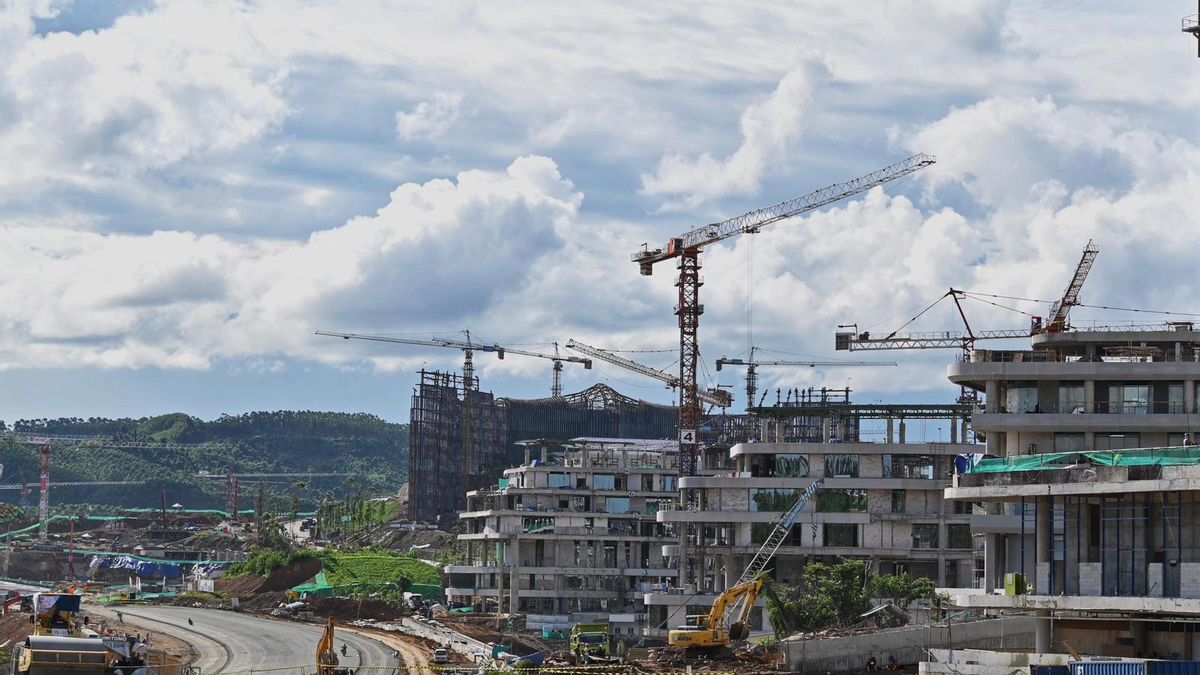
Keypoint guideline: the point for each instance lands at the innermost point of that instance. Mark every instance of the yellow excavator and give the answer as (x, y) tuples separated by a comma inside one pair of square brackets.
[(715, 630), (327, 660)]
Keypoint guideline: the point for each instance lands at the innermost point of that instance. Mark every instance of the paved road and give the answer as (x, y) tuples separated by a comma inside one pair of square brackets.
[(231, 642)]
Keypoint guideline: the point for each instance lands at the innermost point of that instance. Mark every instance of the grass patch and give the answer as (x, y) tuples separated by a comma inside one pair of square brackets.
[(375, 567)]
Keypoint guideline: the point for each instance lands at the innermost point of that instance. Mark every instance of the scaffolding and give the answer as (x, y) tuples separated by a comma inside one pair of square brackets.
[(456, 431), (463, 438)]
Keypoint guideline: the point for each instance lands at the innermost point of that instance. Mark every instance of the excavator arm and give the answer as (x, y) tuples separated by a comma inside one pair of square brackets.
[(327, 660), (739, 629)]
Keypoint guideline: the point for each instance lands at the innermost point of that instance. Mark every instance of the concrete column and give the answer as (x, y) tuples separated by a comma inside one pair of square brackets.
[(942, 543), (1043, 641), (1043, 539), (901, 429), (514, 553), (890, 435), (527, 452), (962, 430), (1089, 397), (825, 429), (1189, 396), (991, 391), (991, 562), (545, 450), (953, 431), (732, 571)]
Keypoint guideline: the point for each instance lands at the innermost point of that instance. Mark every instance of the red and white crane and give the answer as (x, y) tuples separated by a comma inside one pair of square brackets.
[(686, 248)]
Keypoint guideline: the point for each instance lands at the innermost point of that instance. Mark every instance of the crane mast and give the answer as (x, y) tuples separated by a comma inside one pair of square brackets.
[(687, 247)]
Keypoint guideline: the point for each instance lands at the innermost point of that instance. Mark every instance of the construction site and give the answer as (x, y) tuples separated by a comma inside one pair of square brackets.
[(1034, 511)]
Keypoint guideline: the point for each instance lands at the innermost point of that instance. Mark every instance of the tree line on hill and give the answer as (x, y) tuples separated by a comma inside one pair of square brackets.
[(371, 453)]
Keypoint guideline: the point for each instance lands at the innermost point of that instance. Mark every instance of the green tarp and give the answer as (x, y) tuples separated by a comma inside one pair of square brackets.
[(1178, 456)]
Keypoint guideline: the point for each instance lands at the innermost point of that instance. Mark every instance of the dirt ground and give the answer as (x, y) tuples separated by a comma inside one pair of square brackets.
[(485, 631), (14, 628), (417, 653), (176, 650)]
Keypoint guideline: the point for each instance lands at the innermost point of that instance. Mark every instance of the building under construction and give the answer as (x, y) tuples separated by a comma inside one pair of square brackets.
[(461, 437)]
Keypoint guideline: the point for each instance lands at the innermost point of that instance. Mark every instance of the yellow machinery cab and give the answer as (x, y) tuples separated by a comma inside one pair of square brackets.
[(54, 614)]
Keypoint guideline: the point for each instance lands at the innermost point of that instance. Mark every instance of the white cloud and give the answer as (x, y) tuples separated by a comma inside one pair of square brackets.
[(141, 145), (769, 129), (430, 120), (436, 253)]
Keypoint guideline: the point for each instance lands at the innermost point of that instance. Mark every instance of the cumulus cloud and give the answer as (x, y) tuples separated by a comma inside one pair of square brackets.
[(143, 143), (155, 89), (769, 128), (438, 251), (430, 120)]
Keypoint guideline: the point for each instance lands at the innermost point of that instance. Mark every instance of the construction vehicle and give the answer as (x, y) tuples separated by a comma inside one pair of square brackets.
[(716, 631), (327, 659), (686, 248), (590, 643), (60, 644)]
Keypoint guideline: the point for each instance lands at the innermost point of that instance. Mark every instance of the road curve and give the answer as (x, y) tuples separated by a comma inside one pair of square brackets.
[(230, 642)]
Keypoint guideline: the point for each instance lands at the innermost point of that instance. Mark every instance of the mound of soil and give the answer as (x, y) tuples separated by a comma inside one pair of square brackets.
[(291, 575), (263, 602), (348, 609), (241, 587)]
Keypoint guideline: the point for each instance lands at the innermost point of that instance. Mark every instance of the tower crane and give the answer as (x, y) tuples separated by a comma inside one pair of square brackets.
[(45, 441), (687, 247), (468, 348), (717, 397), (1057, 321), (752, 369)]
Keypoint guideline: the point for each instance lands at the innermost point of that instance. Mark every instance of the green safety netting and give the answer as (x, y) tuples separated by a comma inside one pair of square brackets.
[(1177, 456), (1147, 457), (1024, 462)]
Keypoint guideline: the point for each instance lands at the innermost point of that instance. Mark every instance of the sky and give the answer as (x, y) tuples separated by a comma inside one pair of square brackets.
[(190, 189)]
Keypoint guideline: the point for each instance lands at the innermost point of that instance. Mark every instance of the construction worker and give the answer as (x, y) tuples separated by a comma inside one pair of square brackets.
[(344, 651)]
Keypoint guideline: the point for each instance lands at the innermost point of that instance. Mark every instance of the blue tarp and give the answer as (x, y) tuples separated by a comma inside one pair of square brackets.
[(144, 568)]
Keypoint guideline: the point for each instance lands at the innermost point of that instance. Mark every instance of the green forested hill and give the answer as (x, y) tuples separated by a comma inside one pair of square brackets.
[(374, 452)]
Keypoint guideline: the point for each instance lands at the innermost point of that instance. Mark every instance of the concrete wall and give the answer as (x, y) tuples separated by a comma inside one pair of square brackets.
[(1089, 578), (908, 645), (1189, 580)]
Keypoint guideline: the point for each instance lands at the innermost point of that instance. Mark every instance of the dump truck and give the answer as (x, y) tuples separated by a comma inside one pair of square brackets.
[(590, 643)]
